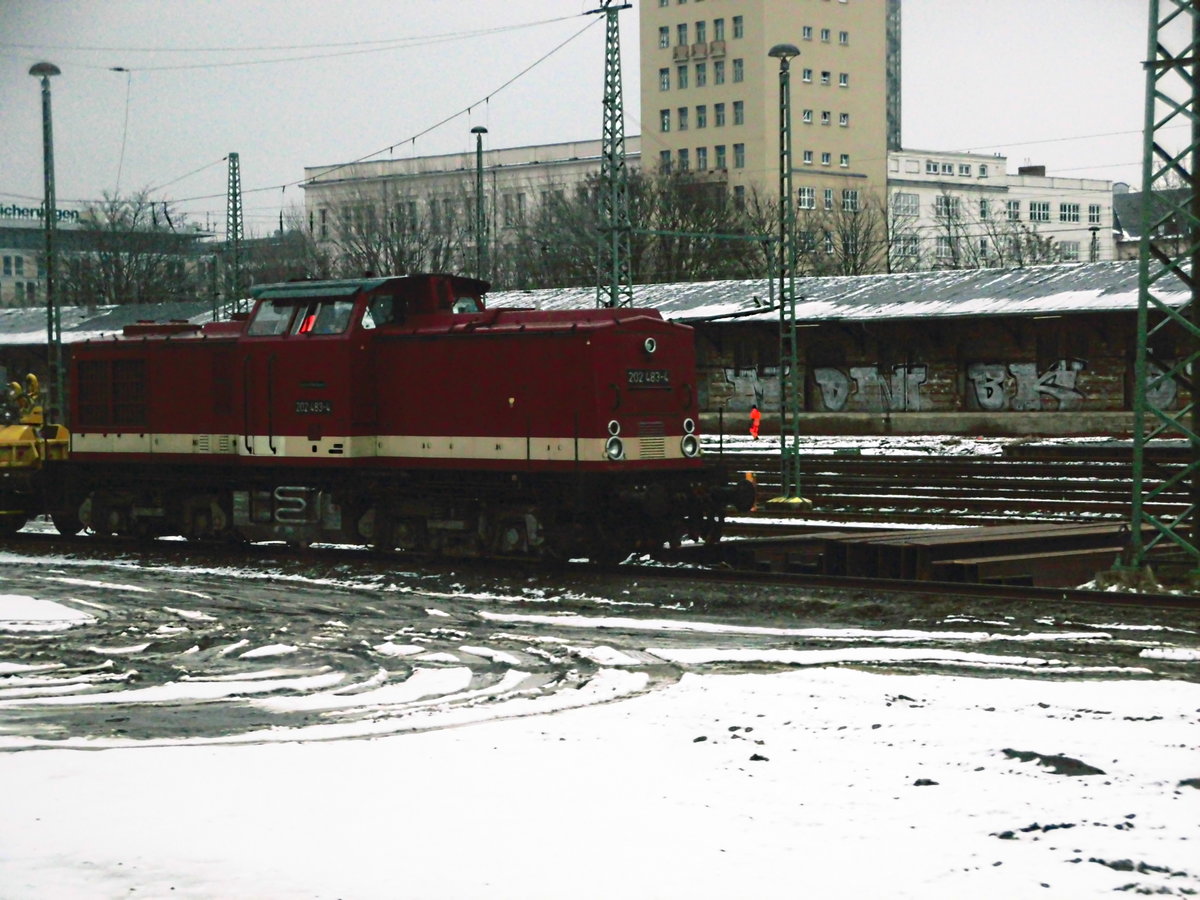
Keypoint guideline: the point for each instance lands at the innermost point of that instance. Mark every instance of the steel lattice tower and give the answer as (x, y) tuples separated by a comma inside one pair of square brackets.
[(614, 276), (234, 233), (1166, 401)]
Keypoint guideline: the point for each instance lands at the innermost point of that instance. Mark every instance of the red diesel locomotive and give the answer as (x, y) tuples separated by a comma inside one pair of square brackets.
[(399, 412)]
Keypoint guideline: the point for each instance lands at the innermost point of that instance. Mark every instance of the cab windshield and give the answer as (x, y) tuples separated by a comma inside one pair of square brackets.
[(317, 317)]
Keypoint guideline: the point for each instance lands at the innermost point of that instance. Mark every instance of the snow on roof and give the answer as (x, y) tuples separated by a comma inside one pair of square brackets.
[(1038, 290), (1032, 291)]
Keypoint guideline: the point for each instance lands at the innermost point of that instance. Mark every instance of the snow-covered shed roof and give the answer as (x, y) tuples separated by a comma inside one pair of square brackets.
[(1032, 291)]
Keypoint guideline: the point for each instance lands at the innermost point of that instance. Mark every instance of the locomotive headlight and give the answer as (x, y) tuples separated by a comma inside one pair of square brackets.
[(689, 426), (651, 345), (614, 427), (614, 449), (690, 445)]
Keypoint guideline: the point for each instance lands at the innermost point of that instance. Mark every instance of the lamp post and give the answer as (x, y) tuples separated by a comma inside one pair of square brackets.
[(1094, 244), (789, 406), (481, 259), (44, 71)]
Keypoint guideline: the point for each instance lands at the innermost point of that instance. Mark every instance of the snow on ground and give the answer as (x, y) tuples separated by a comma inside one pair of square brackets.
[(822, 782)]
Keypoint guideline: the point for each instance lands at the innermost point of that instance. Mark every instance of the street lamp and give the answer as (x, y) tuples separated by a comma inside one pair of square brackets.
[(789, 406), (44, 71), (480, 220), (1094, 245)]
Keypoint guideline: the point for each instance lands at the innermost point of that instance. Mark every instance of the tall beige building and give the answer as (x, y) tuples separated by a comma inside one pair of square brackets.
[(710, 93)]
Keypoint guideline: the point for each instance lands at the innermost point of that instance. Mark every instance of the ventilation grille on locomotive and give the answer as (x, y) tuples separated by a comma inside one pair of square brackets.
[(654, 440)]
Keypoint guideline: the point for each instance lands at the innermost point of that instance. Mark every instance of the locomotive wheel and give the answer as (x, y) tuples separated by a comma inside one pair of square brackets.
[(11, 524), (66, 522)]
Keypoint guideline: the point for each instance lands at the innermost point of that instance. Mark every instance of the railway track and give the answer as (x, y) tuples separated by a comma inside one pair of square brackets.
[(1055, 486)]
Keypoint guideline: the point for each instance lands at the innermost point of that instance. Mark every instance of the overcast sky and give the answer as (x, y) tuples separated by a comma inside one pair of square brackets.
[(1054, 82)]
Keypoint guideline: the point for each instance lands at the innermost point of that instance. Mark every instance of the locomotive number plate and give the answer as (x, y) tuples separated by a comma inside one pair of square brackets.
[(313, 407), (648, 378)]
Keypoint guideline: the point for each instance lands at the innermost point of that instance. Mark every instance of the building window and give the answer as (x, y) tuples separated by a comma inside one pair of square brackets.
[(719, 72), (681, 79), (1068, 212), (702, 116), (907, 245), (1039, 211), (825, 35), (826, 78), (701, 32), (850, 201), (683, 118), (739, 156), (719, 152), (843, 79), (739, 27), (826, 117), (1093, 213), (844, 38), (844, 160), (664, 160), (964, 169), (844, 119), (681, 33), (719, 115), (828, 198), (1013, 209), (664, 37), (826, 159), (985, 209), (739, 196), (664, 120), (806, 198), (947, 168), (19, 264), (829, 243), (739, 112), (983, 170), (683, 159), (946, 207), (806, 75), (718, 29), (808, 157), (945, 247), (701, 74), (739, 70), (906, 204), (701, 158), (8, 263), (931, 167), (664, 2), (1069, 250), (806, 32), (806, 117), (664, 79)]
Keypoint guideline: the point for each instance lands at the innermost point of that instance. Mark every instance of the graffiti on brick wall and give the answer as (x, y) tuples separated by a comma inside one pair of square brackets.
[(1020, 387), (864, 389), (1160, 394), (739, 389)]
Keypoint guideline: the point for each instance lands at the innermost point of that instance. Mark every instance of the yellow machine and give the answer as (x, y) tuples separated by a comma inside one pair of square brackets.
[(25, 448)]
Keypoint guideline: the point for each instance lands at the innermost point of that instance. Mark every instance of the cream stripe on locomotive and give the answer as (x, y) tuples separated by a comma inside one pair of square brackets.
[(367, 446)]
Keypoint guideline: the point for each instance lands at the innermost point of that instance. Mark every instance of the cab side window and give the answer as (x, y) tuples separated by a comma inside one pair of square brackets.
[(271, 318)]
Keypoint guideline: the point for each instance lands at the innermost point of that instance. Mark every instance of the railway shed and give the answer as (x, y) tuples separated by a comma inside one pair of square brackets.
[(1046, 350)]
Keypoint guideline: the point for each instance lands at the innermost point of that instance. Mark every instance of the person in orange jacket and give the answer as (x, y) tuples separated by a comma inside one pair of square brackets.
[(755, 421)]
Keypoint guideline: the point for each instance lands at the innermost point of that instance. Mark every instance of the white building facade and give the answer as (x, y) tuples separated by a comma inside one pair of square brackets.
[(964, 210)]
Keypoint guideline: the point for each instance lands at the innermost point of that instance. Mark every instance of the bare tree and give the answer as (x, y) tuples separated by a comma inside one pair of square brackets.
[(132, 249)]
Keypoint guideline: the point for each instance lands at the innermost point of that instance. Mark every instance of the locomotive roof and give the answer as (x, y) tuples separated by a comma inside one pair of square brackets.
[(348, 287)]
